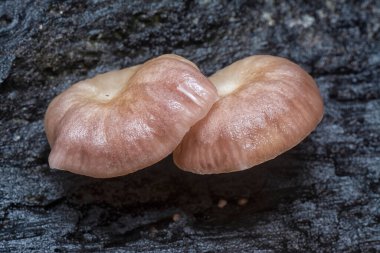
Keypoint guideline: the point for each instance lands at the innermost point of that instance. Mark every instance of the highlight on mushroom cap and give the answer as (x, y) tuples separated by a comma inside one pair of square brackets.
[(125, 120), (267, 105)]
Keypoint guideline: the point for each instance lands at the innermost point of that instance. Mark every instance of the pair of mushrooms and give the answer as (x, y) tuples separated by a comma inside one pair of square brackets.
[(122, 121)]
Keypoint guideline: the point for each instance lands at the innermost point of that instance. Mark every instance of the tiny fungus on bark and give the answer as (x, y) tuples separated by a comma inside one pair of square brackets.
[(122, 121), (267, 105)]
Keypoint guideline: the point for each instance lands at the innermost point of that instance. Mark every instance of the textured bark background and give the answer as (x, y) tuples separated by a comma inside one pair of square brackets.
[(322, 196)]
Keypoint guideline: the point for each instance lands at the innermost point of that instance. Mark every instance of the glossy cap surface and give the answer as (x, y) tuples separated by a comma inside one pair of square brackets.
[(125, 120), (267, 105)]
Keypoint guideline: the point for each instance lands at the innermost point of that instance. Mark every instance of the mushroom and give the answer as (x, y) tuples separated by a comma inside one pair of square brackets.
[(267, 105), (122, 121)]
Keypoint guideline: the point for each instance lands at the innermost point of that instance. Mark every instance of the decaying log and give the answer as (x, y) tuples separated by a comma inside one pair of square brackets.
[(322, 196)]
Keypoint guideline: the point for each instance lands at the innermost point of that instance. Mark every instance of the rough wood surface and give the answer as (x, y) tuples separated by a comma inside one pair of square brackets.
[(322, 196)]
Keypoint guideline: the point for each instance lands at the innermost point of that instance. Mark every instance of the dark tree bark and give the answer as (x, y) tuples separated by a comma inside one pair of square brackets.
[(321, 196)]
